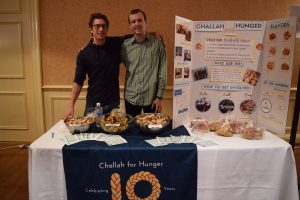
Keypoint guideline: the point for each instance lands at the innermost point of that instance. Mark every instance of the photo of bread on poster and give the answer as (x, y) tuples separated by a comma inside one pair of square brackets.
[(251, 77)]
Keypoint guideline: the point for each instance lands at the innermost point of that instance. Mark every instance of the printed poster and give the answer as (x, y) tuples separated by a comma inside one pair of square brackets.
[(241, 69)]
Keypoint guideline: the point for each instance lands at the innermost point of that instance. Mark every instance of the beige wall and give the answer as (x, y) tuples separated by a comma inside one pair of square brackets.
[(64, 30), (64, 27)]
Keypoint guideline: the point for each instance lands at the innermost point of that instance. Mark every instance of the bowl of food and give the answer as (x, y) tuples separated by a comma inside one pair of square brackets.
[(115, 122), (152, 123), (79, 124)]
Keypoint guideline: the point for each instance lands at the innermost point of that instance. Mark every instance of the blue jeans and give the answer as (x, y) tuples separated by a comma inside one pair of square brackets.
[(106, 108)]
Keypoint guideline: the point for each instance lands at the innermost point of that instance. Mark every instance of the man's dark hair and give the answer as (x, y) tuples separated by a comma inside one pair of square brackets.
[(97, 16), (135, 11)]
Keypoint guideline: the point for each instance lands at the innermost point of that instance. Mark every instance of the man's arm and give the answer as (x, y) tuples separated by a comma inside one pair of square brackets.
[(162, 79), (76, 89), (162, 72)]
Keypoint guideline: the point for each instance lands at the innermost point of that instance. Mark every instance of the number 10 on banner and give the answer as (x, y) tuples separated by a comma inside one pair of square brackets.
[(115, 183)]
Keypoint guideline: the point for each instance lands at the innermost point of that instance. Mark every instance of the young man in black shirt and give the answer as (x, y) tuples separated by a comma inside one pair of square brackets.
[(99, 60)]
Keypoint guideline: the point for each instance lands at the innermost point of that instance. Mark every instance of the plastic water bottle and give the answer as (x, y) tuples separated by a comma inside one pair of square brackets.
[(98, 113)]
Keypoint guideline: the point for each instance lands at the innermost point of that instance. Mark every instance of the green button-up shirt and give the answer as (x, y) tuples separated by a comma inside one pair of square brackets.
[(146, 70)]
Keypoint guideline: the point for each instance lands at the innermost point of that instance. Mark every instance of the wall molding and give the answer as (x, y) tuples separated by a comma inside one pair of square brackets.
[(12, 10), (59, 96), (22, 95)]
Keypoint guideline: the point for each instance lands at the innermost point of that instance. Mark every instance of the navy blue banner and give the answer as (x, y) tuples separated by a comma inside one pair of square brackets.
[(94, 170)]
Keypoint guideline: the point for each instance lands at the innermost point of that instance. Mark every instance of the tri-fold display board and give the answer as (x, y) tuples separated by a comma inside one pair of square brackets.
[(239, 69)]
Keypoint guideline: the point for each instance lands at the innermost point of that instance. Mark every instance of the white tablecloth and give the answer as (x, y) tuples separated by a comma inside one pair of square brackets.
[(235, 169)]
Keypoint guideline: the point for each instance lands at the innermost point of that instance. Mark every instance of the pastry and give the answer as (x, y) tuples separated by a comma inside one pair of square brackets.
[(252, 133), (214, 126), (225, 131), (199, 126)]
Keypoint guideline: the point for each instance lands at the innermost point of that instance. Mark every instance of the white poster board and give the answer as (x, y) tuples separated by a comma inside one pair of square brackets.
[(241, 69)]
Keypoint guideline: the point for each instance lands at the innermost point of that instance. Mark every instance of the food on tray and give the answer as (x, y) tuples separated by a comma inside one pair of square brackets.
[(252, 133), (286, 51), (287, 35), (259, 46), (285, 66), (251, 77), (270, 65), (79, 124), (79, 120), (115, 117), (152, 123), (115, 122), (248, 106), (199, 126), (153, 119), (272, 36)]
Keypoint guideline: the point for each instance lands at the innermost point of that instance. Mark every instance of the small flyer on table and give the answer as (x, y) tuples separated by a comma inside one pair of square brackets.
[(233, 68)]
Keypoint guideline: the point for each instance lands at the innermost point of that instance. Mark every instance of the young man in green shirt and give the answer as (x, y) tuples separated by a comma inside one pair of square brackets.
[(144, 57)]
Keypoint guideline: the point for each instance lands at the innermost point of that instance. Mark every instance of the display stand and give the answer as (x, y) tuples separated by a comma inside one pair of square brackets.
[(227, 69), (296, 115)]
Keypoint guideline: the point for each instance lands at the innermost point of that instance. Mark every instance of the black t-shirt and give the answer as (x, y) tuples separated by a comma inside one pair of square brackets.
[(101, 64)]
